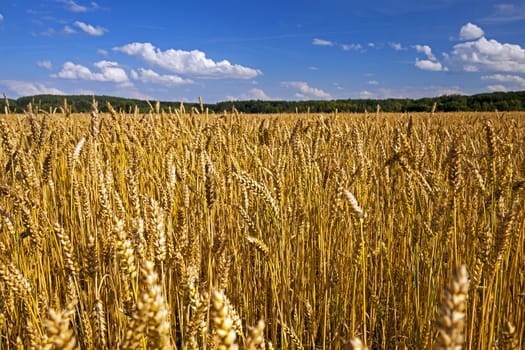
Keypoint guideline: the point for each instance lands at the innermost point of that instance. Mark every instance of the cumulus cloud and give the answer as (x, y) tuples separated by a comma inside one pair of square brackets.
[(89, 29), (475, 54), (351, 47), (430, 65), (488, 55), (24, 88), (150, 76), (45, 64), (192, 62), (305, 90), (426, 50), (470, 31), (109, 72), (1, 18), (322, 42)]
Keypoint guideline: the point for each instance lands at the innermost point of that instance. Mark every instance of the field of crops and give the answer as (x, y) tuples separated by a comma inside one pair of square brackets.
[(179, 229)]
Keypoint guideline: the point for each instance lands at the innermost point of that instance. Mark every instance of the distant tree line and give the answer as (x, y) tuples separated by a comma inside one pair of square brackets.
[(503, 101)]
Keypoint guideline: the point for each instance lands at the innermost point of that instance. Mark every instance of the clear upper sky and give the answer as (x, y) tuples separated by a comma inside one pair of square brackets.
[(247, 49)]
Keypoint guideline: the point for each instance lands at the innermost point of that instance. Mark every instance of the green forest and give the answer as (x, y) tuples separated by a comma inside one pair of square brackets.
[(502, 101)]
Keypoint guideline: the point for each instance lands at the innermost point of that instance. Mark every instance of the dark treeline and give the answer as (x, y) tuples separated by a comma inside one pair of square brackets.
[(503, 101)]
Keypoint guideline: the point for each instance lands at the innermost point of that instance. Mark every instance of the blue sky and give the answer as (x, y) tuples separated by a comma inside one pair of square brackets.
[(247, 49)]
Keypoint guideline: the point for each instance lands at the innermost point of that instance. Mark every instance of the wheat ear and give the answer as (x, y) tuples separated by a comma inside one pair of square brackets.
[(451, 319)]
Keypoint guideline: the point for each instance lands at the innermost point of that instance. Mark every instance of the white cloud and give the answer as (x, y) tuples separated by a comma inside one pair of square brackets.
[(45, 64), (488, 55), (506, 13), (252, 94), (430, 65), (397, 46), (470, 31), (89, 29), (506, 78), (109, 72), (476, 54), (192, 62), (150, 76), (103, 52), (338, 86), (305, 90), (313, 68), (470, 68), (1, 18), (258, 94), (85, 92), (350, 47), (496, 88), (426, 50), (411, 92), (69, 30), (365, 94), (23, 88), (322, 42), (75, 7), (47, 32), (372, 82)]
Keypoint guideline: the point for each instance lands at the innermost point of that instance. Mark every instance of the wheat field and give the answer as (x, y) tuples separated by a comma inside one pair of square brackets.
[(185, 230)]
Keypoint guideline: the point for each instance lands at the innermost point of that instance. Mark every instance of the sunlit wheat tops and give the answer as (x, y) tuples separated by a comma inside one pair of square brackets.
[(151, 317), (452, 312), (356, 209), (178, 228), (222, 322)]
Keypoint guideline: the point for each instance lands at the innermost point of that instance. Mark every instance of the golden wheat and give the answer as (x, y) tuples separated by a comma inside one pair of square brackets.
[(181, 228)]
